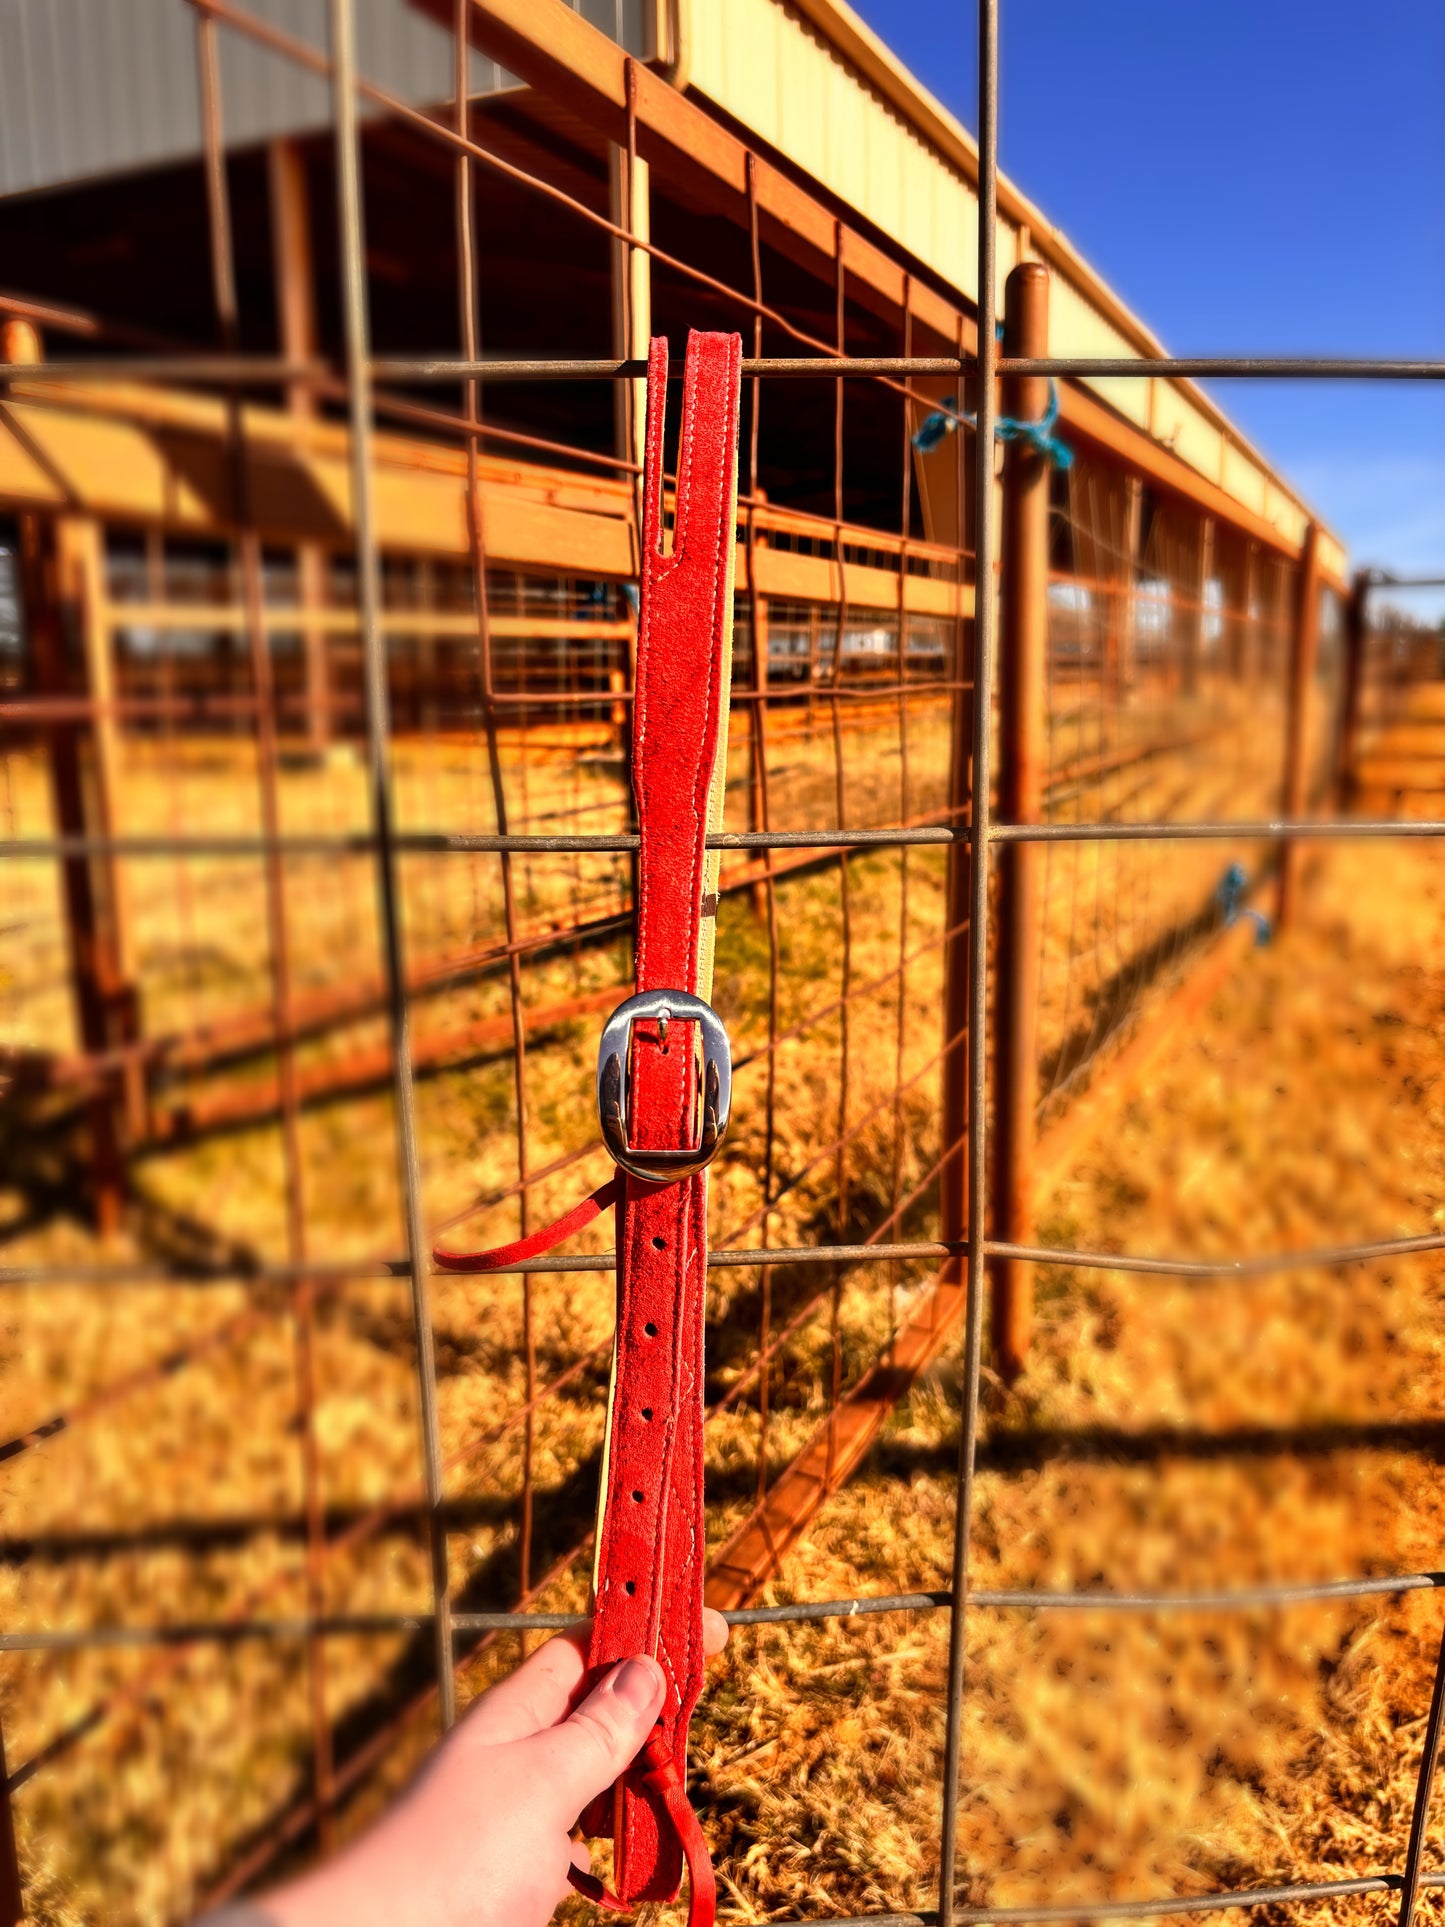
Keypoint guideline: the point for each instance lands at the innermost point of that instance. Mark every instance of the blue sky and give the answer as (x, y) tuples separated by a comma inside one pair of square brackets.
[(1249, 175)]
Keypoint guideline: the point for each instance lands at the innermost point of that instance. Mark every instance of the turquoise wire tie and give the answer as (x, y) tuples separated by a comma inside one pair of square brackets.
[(1008, 428), (1229, 895)]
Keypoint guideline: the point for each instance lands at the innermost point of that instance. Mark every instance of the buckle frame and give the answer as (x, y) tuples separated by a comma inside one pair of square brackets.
[(614, 1083)]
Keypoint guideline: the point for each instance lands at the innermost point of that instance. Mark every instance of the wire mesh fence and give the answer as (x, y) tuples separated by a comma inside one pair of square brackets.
[(318, 832)]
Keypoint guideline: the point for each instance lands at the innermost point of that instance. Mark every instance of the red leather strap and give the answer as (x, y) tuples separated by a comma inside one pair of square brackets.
[(516, 1253), (659, 1772), (649, 1570)]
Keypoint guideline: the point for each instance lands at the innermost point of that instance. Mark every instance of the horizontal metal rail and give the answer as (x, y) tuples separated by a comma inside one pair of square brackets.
[(1296, 1894), (1228, 367), (211, 706), (232, 1271), (634, 369), (1293, 1895), (1265, 1266), (1254, 830), (443, 843), (214, 1632), (372, 1270), (229, 370), (226, 370), (1278, 367), (1016, 1599)]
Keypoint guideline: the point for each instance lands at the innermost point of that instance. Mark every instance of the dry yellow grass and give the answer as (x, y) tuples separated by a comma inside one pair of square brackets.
[(1164, 1435)]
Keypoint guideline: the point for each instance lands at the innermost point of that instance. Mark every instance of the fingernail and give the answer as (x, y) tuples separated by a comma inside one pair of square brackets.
[(636, 1682)]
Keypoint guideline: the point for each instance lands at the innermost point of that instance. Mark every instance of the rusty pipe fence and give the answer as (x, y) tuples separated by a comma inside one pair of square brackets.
[(1012, 809)]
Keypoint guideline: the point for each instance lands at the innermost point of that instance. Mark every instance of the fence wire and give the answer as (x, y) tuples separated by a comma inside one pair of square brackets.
[(365, 824)]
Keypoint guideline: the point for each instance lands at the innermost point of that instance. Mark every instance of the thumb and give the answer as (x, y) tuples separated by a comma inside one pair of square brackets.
[(578, 1759)]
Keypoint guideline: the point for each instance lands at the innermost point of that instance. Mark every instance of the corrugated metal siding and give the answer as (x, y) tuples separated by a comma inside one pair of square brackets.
[(778, 75), (1332, 555), (1077, 328), (1243, 479), (93, 87)]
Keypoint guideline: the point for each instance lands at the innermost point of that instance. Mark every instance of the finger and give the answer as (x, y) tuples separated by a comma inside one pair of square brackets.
[(581, 1863), (578, 1759), (533, 1698), (715, 1630)]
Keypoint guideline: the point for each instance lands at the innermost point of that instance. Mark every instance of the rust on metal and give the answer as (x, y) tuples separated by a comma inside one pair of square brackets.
[(1023, 757), (1304, 650)]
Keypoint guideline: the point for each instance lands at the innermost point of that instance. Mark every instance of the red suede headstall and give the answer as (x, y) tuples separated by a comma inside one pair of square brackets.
[(664, 1083)]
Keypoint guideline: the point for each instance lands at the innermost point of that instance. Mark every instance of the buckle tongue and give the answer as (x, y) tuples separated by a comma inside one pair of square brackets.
[(614, 1083)]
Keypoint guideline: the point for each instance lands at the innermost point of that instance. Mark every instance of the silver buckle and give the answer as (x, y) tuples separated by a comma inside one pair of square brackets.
[(614, 1083)]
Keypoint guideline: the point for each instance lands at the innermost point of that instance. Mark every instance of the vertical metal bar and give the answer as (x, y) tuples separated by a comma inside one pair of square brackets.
[(294, 275), (813, 632), (1110, 602), (80, 565), (905, 522), (1129, 575), (466, 252), (953, 1175), (1233, 570), (12, 1892), (1208, 550), (983, 653), (1201, 560), (1249, 643), (94, 972), (840, 798), (1023, 641), (223, 278), (757, 603), (62, 582), (638, 338), (358, 364), (1347, 740), (1424, 1790), (630, 207), (1304, 645), (763, 818), (1277, 582)]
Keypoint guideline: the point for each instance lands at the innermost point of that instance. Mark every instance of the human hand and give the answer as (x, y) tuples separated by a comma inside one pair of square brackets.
[(481, 1837)]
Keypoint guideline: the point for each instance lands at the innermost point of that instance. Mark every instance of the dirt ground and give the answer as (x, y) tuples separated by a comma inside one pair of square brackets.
[(1165, 1435)]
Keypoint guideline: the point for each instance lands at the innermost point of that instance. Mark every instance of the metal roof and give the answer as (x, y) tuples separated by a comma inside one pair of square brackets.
[(101, 87)]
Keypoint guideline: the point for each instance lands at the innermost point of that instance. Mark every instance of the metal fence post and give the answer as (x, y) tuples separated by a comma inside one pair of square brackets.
[(1304, 646), (1347, 737), (293, 269), (1121, 635), (1424, 1793), (1023, 753), (62, 666), (12, 1894), (953, 1170), (630, 205), (1247, 644), (972, 1181), (1201, 564)]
